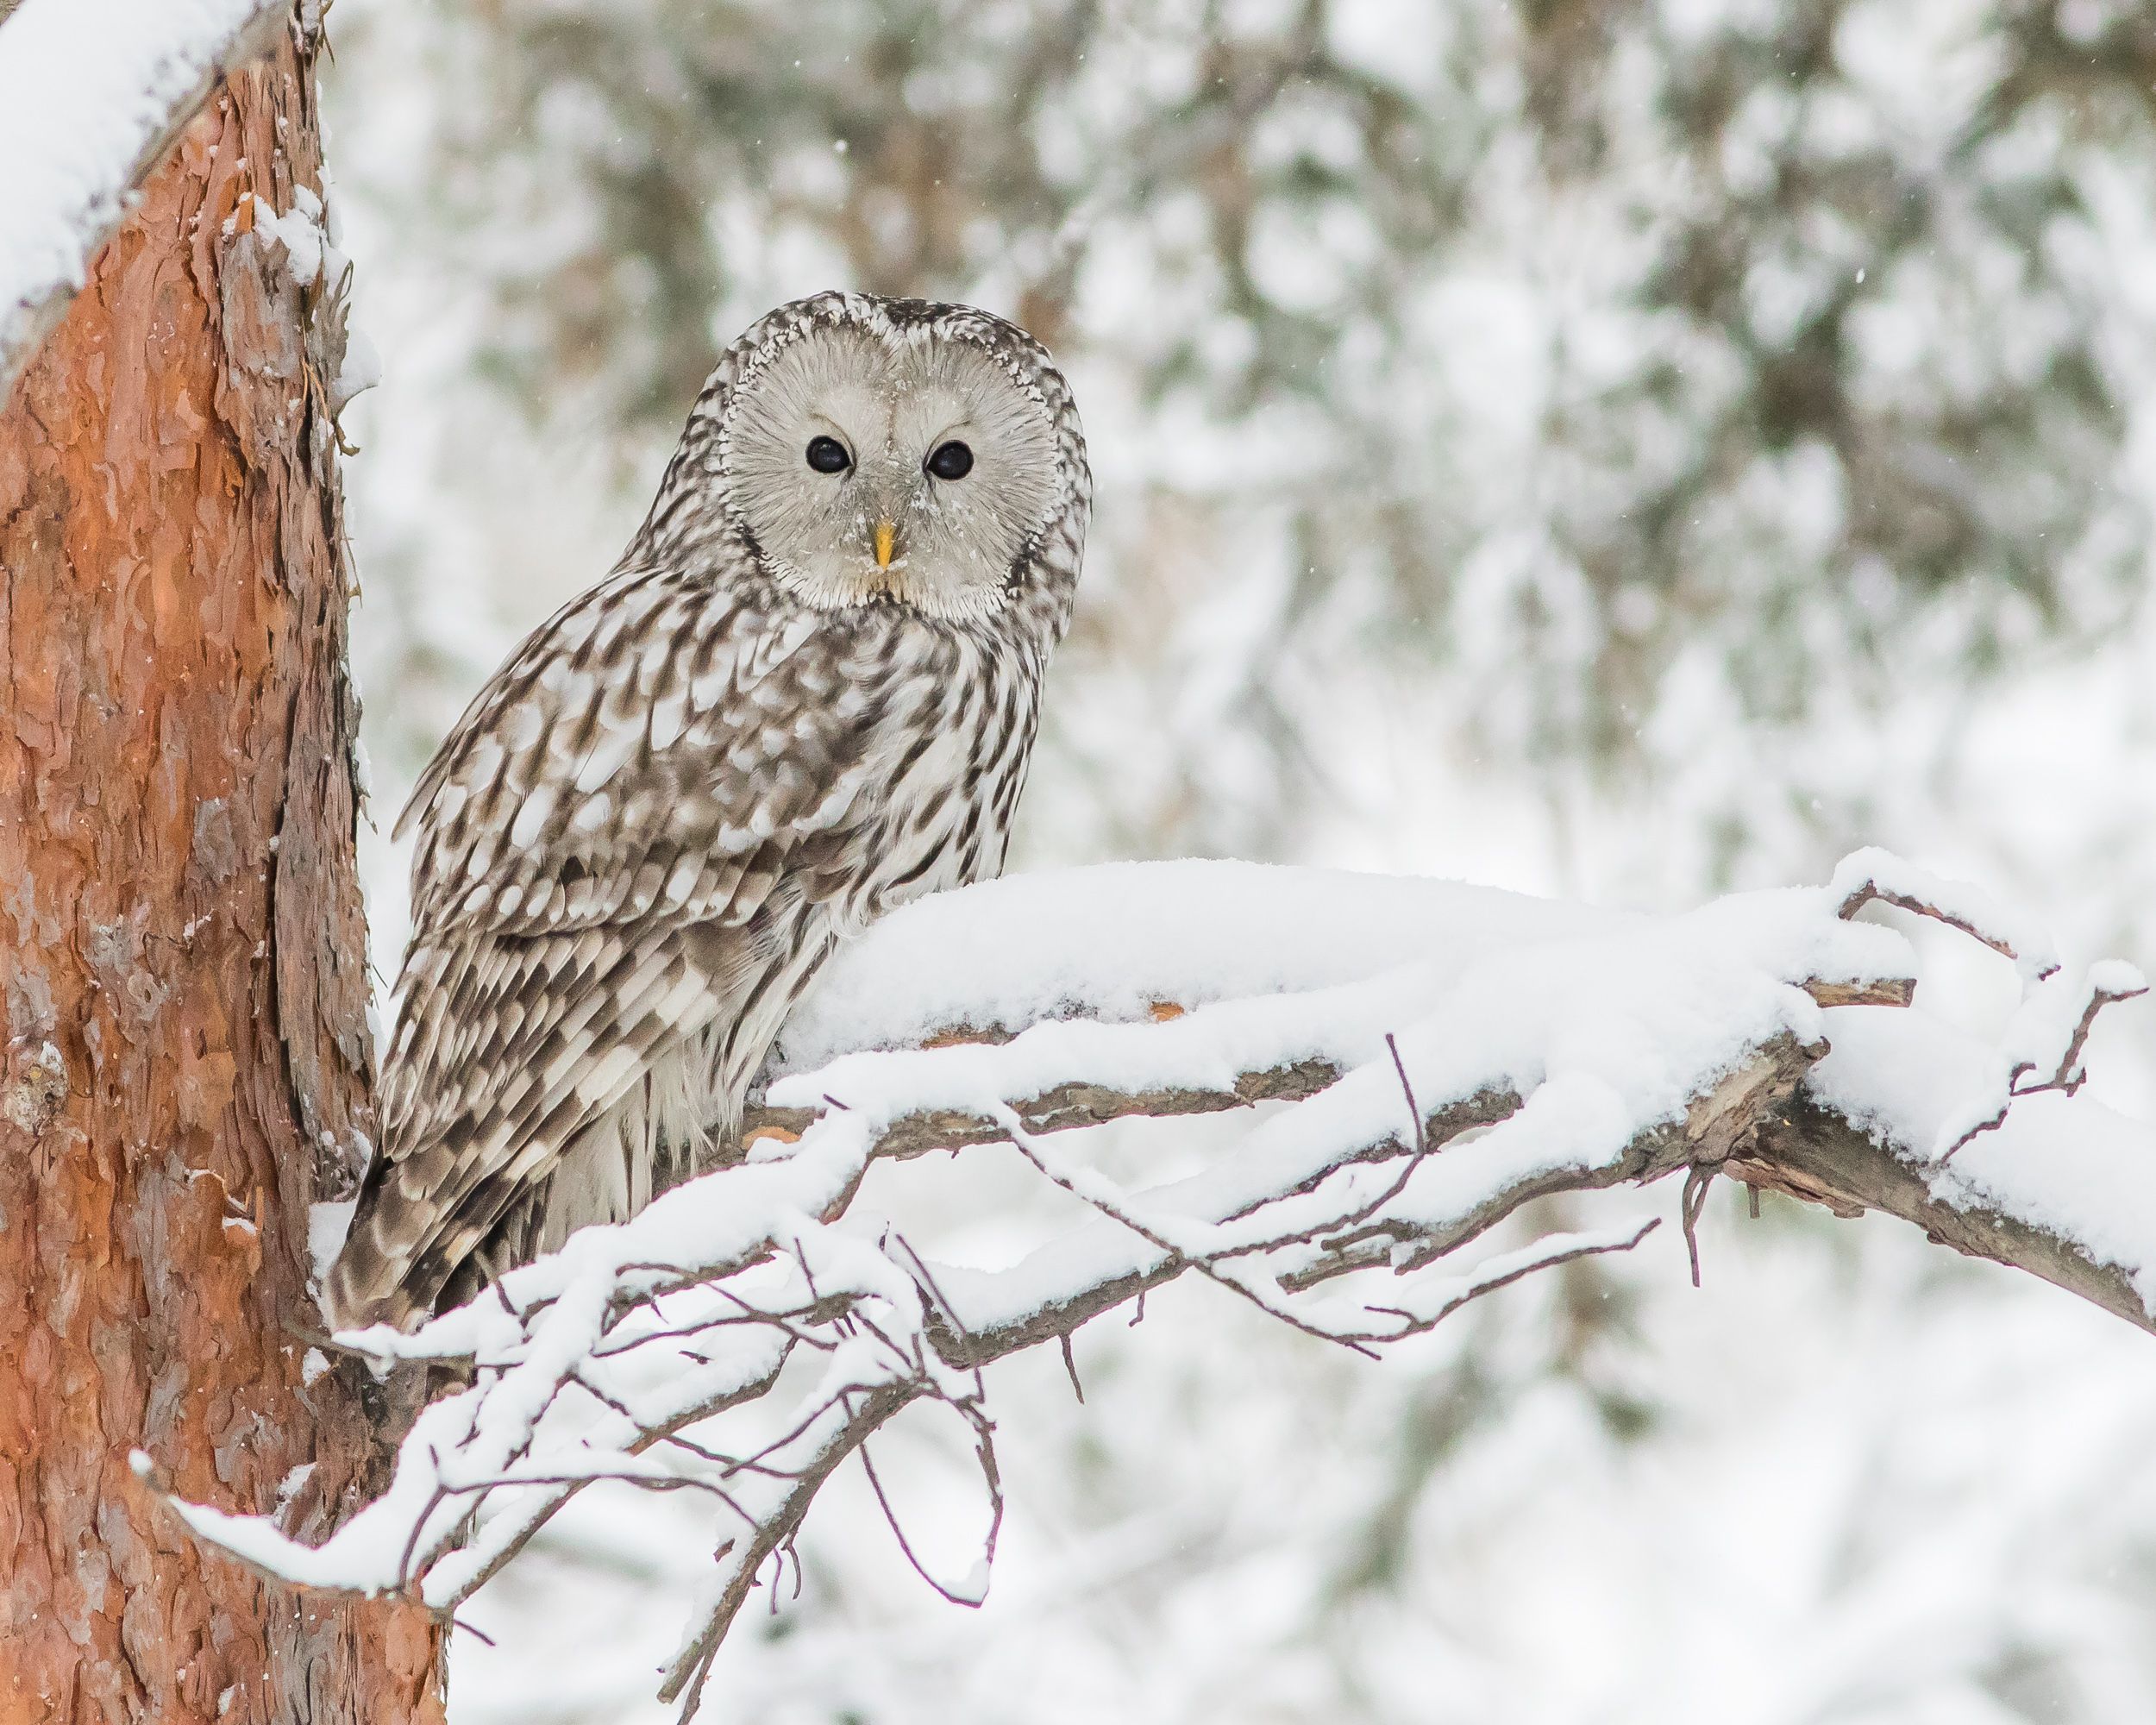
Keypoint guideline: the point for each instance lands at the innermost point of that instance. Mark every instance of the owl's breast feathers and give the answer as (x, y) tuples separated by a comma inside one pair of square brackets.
[(632, 853)]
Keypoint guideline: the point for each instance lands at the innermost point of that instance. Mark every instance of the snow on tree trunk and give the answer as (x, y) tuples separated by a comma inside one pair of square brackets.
[(184, 961)]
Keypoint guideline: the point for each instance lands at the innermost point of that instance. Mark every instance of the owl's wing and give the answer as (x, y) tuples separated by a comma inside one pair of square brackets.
[(597, 836)]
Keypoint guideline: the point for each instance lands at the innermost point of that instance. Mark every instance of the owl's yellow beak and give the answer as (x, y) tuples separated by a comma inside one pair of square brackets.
[(886, 536)]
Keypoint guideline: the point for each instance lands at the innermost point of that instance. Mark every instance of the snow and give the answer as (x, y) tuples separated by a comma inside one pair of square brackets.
[(1572, 1034), (2065, 1165), (2046, 1034), (307, 234), (1940, 1105), (328, 1222), (1264, 960), (1873, 873), (86, 86), (1118, 938), (1610, 1030), (299, 230), (294, 1481), (362, 371)]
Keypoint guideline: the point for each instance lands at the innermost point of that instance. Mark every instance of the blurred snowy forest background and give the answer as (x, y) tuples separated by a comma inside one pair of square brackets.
[(1619, 448)]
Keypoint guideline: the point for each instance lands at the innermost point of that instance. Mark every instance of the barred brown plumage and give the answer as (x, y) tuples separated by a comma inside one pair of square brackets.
[(806, 693)]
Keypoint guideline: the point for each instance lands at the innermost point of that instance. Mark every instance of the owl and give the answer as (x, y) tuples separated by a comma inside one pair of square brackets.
[(807, 692)]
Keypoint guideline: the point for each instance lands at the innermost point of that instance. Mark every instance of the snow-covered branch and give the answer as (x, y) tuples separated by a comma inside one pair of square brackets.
[(1437, 1057), (92, 94)]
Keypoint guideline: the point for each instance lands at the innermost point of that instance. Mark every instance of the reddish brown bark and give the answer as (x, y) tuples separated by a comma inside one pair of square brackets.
[(182, 962)]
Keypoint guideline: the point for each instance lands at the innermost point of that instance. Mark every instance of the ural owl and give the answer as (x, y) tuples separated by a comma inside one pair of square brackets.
[(807, 692)]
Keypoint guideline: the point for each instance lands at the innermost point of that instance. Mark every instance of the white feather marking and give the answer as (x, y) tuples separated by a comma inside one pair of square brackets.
[(599, 1084), (522, 724), (668, 719), (612, 751), (632, 604), (531, 818), (836, 802), (592, 813), (483, 763), (682, 881), (678, 1002)]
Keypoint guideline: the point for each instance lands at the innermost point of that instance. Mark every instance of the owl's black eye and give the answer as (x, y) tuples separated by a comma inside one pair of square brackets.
[(828, 456), (952, 460)]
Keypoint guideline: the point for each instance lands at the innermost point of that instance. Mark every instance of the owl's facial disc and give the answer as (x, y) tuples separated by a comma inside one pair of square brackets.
[(916, 469)]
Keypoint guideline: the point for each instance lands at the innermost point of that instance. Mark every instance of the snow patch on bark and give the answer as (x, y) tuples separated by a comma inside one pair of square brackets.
[(88, 88)]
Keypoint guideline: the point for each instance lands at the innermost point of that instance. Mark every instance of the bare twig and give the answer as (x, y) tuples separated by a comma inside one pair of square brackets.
[(1413, 1325), (1693, 1201), (891, 1516), (1205, 1264)]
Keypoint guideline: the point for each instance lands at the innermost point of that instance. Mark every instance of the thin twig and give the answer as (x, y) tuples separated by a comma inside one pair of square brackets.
[(1414, 1325), (1204, 1265), (897, 1533), (1690, 1203)]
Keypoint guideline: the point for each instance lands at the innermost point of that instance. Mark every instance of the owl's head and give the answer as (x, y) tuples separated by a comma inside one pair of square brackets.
[(874, 450)]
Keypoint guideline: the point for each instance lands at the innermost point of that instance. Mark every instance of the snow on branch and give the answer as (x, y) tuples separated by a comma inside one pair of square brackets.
[(92, 93), (1439, 1054)]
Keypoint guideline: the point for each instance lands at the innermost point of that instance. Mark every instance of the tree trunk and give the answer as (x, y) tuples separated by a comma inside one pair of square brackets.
[(184, 959)]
